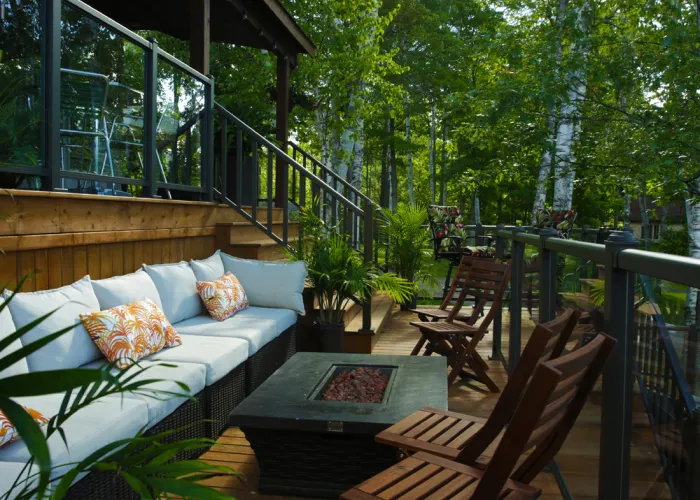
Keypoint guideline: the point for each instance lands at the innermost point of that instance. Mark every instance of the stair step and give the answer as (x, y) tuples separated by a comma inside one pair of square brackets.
[(261, 243), (381, 310)]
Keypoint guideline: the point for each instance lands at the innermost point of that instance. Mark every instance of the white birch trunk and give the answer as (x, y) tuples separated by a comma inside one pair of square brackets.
[(409, 153), (693, 218), (626, 210), (432, 153), (443, 169), (569, 125)]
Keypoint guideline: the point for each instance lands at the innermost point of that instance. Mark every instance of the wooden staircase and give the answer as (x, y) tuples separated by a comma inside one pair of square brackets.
[(358, 341), (242, 239)]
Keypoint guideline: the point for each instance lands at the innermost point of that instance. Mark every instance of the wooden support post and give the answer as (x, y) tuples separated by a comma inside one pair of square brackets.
[(200, 35), (282, 127)]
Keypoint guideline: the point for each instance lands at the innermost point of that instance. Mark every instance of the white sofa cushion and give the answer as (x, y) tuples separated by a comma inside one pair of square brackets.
[(218, 354), (177, 287), (269, 284), (9, 472), (7, 327), (105, 421), (191, 374), (72, 349), (283, 318), (257, 332), (210, 269), (121, 290)]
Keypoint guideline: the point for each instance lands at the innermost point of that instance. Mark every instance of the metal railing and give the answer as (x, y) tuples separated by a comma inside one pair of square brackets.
[(249, 147), (644, 352), (50, 167)]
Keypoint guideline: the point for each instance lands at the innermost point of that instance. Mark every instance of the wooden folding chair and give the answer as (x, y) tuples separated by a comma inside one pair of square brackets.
[(486, 281), (547, 412), (463, 437), (444, 311)]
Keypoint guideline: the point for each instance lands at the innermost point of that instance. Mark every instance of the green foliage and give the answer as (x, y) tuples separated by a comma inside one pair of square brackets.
[(673, 241), (143, 461), (337, 274), (409, 241)]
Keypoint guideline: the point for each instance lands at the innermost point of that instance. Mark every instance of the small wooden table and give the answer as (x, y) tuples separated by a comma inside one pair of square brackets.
[(309, 447)]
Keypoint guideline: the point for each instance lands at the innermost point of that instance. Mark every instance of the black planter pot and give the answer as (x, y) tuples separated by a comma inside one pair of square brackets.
[(411, 304), (332, 337)]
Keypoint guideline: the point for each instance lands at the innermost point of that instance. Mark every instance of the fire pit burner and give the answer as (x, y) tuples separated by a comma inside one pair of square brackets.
[(361, 385)]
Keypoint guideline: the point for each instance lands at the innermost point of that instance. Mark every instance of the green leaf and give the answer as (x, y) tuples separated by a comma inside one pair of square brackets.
[(50, 382)]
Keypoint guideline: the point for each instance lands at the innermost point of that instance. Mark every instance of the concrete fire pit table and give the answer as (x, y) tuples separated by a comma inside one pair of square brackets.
[(306, 446)]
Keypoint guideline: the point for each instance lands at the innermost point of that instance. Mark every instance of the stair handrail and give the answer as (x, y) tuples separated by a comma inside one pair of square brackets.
[(291, 161), (328, 171)]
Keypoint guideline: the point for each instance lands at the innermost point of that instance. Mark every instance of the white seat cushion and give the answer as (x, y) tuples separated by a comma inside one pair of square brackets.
[(283, 318), (7, 327), (257, 332), (210, 269), (74, 348), (103, 422), (177, 287), (159, 407), (270, 284), (9, 472), (121, 290), (218, 354)]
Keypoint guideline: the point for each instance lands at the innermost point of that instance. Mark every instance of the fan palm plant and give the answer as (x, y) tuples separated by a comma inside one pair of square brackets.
[(144, 462), (409, 239)]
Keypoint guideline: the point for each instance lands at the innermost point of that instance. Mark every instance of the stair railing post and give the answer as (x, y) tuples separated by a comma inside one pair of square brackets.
[(548, 277), (478, 234), (208, 140), (618, 381), (368, 252), (150, 105), (516, 299), (51, 92), (223, 162), (498, 320)]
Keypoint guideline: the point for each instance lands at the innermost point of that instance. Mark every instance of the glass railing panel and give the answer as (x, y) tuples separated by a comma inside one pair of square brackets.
[(102, 104), (580, 284), (20, 91), (181, 99)]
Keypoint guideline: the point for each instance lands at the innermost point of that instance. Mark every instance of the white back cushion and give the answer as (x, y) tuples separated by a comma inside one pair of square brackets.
[(269, 284), (177, 287), (126, 289), (210, 269), (7, 327), (72, 349)]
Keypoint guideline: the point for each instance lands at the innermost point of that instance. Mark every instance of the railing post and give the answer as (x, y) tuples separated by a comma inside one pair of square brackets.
[(368, 240), (516, 292), (548, 277), (51, 92), (150, 105), (618, 382), (498, 320), (223, 162), (478, 234), (285, 201), (208, 140)]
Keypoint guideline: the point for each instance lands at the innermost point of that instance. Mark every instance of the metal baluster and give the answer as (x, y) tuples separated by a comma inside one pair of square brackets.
[(254, 180), (548, 277), (207, 176), (150, 121), (269, 192), (224, 157), (367, 307), (285, 208), (498, 320), (239, 167), (516, 292)]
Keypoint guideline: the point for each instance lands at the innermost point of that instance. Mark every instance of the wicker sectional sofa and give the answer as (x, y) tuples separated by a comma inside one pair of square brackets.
[(220, 362)]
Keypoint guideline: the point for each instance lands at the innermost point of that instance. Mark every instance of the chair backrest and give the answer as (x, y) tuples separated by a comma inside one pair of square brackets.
[(546, 342), (547, 412), (83, 101), (458, 282), (487, 281), (442, 221)]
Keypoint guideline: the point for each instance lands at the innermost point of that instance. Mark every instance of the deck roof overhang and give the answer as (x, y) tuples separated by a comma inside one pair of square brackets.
[(261, 24)]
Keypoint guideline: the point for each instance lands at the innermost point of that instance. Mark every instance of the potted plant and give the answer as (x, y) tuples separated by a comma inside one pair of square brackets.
[(409, 240), (337, 274)]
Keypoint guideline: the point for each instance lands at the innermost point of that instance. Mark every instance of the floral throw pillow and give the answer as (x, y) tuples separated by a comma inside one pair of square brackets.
[(224, 297), (8, 432), (125, 334)]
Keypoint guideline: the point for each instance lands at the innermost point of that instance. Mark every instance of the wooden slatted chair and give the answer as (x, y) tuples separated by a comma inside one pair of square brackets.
[(444, 311), (464, 438), (487, 280), (547, 412)]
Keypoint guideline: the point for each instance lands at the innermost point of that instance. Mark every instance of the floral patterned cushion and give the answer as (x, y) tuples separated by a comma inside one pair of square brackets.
[(8, 432), (125, 334), (446, 225), (483, 252), (224, 297)]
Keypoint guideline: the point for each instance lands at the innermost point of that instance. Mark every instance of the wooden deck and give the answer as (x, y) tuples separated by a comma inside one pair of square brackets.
[(578, 460)]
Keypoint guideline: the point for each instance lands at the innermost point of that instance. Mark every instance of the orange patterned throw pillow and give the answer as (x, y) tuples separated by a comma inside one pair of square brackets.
[(8, 432), (125, 334), (224, 297)]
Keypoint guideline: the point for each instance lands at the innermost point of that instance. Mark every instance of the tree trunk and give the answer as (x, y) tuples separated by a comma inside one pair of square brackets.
[(693, 218), (626, 210), (642, 196), (409, 153), (476, 208), (443, 169), (432, 154), (569, 124), (394, 200), (547, 160), (385, 182)]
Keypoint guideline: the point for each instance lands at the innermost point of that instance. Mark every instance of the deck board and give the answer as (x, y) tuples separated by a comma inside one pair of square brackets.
[(578, 459)]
